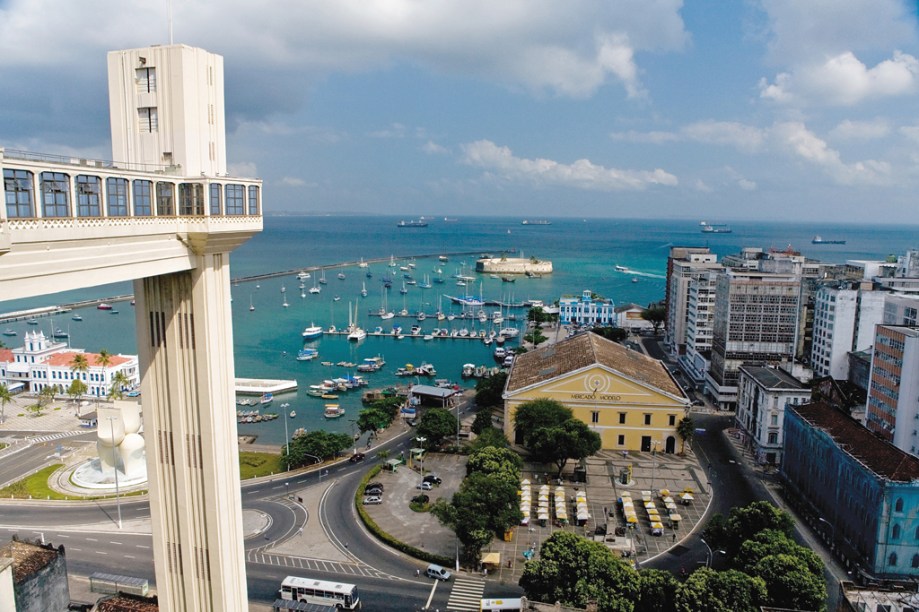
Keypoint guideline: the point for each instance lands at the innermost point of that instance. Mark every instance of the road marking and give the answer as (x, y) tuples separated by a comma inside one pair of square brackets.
[(427, 605), (130, 557), (80, 549), (91, 540), (118, 543), (466, 594), (99, 552), (141, 546), (63, 535)]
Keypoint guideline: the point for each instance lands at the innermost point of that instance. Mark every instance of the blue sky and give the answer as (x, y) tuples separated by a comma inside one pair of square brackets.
[(756, 109)]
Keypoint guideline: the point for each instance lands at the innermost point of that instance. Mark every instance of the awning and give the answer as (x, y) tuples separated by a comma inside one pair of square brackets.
[(432, 391), (492, 558)]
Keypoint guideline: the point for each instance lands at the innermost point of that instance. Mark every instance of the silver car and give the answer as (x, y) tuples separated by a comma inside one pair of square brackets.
[(373, 499)]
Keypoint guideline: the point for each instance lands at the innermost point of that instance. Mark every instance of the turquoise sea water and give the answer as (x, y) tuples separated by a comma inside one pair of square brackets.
[(583, 253)]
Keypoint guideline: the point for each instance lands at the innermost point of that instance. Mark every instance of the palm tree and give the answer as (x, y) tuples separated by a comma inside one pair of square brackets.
[(685, 429), (76, 390), (47, 395), (119, 382), (5, 398), (104, 359), (79, 364)]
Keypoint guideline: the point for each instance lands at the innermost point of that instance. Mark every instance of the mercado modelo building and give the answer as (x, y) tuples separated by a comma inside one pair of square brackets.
[(42, 362), (628, 398)]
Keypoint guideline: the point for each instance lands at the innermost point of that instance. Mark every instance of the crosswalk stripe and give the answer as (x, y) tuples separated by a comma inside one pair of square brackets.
[(465, 595)]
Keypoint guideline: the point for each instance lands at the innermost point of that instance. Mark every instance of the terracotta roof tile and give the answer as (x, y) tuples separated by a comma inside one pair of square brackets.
[(6, 355), (880, 456), (28, 559), (584, 350), (66, 359)]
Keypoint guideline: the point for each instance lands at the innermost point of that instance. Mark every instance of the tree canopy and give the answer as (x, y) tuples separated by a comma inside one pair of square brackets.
[(655, 314), (573, 439), (485, 505), (616, 334), (656, 591), (436, 425), (729, 591), (685, 429), (488, 391), (495, 460), (489, 437), (304, 450), (574, 570), (538, 413)]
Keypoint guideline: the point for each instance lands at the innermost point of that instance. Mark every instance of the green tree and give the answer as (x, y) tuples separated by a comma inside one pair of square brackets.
[(535, 336), (489, 437), (5, 398), (482, 421), (304, 450), (104, 359), (730, 591), (47, 395), (373, 418), (745, 522), (790, 583), (495, 460), (485, 505), (119, 382), (542, 412), (769, 542), (655, 314), (573, 439), (537, 315), (685, 429), (716, 532), (76, 390), (616, 334), (436, 425), (574, 570), (488, 391), (656, 591)]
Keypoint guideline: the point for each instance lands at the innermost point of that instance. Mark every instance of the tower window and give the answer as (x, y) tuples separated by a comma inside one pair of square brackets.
[(147, 119), (146, 79)]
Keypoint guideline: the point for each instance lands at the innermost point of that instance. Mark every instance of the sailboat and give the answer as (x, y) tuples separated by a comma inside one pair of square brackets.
[(284, 303), (403, 290), (384, 311), (322, 280), (251, 305), (315, 288), (354, 330), (363, 289), (363, 263)]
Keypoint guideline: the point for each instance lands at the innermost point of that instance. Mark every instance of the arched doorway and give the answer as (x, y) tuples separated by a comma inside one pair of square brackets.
[(670, 446)]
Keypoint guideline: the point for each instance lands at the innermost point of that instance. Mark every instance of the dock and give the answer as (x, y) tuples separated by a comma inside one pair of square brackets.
[(259, 386)]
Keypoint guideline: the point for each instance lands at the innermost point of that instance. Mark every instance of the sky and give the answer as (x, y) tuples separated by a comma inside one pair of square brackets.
[(738, 110)]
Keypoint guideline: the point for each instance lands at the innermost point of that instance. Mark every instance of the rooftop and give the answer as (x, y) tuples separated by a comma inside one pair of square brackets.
[(123, 602), (92, 359), (773, 378), (879, 456), (28, 559), (584, 350)]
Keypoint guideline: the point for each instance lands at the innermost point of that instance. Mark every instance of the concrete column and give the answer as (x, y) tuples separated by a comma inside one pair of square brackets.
[(185, 345)]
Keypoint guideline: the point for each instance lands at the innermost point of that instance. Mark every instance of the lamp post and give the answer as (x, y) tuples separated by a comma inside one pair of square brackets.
[(708, 559), (832, 530), (421, 440), (111, 422), (287, 486), (286, 439)]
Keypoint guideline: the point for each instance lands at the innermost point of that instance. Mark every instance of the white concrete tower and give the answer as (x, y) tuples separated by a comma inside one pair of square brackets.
[(166, 108)]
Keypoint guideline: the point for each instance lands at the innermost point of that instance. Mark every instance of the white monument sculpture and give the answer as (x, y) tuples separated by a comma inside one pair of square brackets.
[(120, 445)]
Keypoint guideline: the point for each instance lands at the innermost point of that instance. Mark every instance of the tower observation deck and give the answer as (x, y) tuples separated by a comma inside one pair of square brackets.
[(166, 217)]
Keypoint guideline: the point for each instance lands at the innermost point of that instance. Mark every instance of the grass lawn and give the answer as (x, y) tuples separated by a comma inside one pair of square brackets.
[(35, 486), (253, 465)]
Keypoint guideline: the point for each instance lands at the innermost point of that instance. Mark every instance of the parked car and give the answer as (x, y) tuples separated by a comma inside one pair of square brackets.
[(437, 572), (373, 499), (425, 486), (374, 485), (373, 491), (356, 457), (433, 478)]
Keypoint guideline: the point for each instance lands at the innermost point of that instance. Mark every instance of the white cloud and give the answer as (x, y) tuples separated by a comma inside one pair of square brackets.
[(911, 132), (795, 138), (861, 130), (396, 130), (731, 133), (536, 44), (291, 181), (582, 174), (645, 137), (432, 148), (242, 169), (843, 80), (700, 185), (746, 184)]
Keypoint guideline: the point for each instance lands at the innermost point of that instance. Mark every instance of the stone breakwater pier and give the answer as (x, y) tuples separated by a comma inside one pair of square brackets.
[(513, 265)]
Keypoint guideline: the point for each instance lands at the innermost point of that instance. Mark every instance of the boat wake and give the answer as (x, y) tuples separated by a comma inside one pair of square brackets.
[(632, 272)]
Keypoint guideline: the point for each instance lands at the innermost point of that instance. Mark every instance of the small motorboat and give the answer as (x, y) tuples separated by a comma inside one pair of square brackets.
[(293, 413)]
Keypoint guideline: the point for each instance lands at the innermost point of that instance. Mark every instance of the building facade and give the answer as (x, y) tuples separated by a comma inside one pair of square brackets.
[(844, 321), (762, 394), (700, 318), (586, 310), (41, 363), (893, 389), (863, 488), (756, 322), (629, 399), (683, 265)]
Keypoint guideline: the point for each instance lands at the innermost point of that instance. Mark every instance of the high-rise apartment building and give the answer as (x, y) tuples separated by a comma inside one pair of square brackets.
[(700, 319), (844, 319), (683, 265), (893, 392), (756, 322)]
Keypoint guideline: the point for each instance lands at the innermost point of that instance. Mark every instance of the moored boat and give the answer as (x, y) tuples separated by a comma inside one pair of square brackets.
[(104, 306), (333, 411), (307, 354), (312, 332), (266, 398)]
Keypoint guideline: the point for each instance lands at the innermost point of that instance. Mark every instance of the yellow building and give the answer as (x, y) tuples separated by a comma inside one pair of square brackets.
[(628, 398)]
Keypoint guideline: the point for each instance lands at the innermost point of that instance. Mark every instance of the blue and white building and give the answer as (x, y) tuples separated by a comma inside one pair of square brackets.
[(586, 310), (861, 491)]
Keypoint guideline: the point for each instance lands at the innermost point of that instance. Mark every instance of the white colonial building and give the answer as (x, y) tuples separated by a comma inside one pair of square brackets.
[(42, 362), (763, 392)]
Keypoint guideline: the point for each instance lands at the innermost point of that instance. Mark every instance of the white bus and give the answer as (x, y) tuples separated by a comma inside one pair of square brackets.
[(339, 594), (511, 604)]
